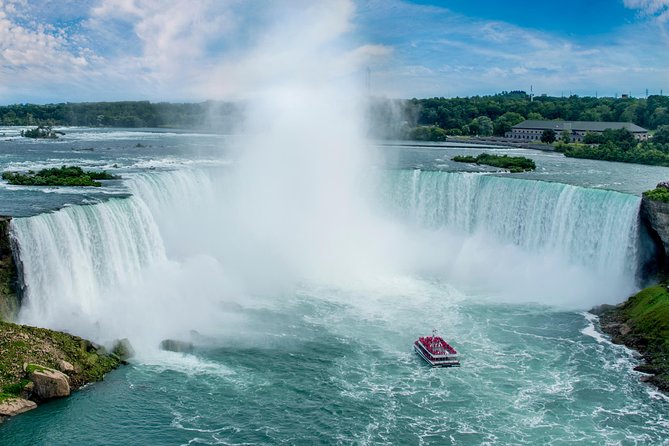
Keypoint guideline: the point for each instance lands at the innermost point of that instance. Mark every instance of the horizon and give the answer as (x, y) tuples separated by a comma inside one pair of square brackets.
[(179, 51), (204, 101)]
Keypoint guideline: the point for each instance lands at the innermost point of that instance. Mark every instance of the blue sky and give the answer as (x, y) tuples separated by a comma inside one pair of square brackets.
[(566, 17), (183, 50)]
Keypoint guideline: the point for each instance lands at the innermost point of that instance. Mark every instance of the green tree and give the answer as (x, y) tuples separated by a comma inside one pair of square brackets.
[(504, 123), (485, 126), (566, 136), (661, 135), (548, 136)]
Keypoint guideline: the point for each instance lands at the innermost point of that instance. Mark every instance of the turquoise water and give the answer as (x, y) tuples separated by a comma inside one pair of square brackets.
[(342, 374), (327, 359)]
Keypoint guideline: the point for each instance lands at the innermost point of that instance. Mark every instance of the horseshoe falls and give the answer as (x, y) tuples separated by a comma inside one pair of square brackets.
[(294, 346)]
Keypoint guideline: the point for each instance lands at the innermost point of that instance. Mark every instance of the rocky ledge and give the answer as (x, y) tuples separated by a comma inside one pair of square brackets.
[(642, 323), (37, 364)]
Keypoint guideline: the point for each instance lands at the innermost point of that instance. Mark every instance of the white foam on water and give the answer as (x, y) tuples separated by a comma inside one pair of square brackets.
[(591, 330)]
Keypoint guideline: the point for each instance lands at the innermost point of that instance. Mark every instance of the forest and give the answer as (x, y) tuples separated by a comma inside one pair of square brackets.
[(128, 114), (423, 119), (437, 118)]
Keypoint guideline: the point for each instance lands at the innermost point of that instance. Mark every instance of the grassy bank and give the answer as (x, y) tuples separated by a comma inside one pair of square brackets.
[(642, 323)]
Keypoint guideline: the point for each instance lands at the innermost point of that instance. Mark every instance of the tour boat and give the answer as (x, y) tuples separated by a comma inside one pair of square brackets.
[(436, 351)]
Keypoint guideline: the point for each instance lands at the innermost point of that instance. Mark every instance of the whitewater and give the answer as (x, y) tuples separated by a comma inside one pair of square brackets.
[(302, 261), (326, 359)]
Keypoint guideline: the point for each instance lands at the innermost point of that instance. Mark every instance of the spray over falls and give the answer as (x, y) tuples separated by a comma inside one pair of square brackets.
[(147, 266)]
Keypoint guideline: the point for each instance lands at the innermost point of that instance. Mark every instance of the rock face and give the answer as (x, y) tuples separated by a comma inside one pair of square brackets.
[(39, 364), (15, 406), (49, 383), (655, 216), (9, 297), (174, 345), (123, 349), (65, 366)]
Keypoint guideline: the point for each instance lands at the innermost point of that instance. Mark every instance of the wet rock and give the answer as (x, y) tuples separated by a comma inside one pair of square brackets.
[(15, 406), (174, 345), (655, 216), (49, 383), (123, 349), (601, 309)]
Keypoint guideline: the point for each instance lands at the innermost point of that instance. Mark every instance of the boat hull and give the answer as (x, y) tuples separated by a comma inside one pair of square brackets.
[(448, 362)]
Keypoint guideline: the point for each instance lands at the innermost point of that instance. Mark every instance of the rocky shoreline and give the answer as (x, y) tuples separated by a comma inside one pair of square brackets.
[(38, 364), (642, 324)]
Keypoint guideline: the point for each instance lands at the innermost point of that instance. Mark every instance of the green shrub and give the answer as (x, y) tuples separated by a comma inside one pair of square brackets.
[(514, 164), (63, 176), (657, 194), (464, 159)]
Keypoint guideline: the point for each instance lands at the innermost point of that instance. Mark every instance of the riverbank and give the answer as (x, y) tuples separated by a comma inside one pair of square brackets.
[(38, 364), (642, 323), (500, 141)]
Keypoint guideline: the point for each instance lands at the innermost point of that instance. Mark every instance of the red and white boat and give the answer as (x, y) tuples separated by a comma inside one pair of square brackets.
[(436, 351)]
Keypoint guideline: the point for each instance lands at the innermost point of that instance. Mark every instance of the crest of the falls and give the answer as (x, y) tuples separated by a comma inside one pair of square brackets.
[(168, 258)]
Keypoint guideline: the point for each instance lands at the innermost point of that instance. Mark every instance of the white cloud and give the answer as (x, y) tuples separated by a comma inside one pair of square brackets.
[(658, 8), (30, 52), (191, 50), (463, 56)]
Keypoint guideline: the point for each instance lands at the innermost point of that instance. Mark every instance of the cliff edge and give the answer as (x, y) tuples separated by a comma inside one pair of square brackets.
[(9, 296), (38, 364), (642, 323)]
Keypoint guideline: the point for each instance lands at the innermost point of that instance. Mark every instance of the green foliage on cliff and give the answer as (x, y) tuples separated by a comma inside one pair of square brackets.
[(657, 194), (21, 344), (642, 323), (648, 317), (62, 176), (512, 163)]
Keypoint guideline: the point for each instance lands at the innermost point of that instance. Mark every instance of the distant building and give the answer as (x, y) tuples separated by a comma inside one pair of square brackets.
[(531, 130)]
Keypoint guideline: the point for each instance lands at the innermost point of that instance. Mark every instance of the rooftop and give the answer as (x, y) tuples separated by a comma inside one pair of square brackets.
[(583, 126)]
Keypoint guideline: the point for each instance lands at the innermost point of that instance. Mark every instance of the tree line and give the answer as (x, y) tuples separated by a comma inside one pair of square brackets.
[(437, 118), (422, 119), (132, 114)]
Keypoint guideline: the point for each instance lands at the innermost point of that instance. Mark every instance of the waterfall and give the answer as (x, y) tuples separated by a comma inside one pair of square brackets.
[(151, 263), (72, 258), (593, 228)]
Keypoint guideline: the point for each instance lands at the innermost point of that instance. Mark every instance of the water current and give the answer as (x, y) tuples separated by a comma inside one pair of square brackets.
[(502, 265)]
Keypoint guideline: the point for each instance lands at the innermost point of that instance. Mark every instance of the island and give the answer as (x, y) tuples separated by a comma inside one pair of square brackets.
[(58, 176), (42, 132), (514, 164)]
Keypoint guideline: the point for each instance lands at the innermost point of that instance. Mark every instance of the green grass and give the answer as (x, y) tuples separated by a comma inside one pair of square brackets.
[(40, 348), (32, 368), (13, 390), (648, 316)]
